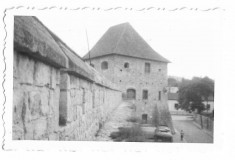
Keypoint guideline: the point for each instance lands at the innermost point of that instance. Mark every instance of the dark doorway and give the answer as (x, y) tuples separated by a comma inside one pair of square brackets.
[(131, 94), (145, 118)]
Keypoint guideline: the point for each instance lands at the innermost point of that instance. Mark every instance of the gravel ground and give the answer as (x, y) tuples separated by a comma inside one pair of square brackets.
[(119, 119)]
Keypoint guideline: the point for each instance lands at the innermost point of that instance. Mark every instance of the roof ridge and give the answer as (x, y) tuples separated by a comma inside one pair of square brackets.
[(124, 30), (123, 39)]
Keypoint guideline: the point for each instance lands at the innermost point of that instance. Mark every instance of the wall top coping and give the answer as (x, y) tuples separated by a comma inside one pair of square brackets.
[(31, 37)]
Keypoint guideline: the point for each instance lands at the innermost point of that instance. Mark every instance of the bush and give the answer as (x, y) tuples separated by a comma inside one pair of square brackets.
[(133, 119), (128, 134)]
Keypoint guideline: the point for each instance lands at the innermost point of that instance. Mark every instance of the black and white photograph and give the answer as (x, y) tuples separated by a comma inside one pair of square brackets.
[(116, 87), (125, 76)]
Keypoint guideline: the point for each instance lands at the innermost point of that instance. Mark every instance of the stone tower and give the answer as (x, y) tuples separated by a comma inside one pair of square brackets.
[(125, 58)]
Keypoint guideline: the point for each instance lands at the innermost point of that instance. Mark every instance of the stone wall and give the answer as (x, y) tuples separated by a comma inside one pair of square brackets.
[(135, 77), (35, 98), (56, 95), (84, 107)]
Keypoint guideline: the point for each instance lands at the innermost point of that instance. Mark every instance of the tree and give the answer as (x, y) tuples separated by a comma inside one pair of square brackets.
[(193, 92), (172, 82)]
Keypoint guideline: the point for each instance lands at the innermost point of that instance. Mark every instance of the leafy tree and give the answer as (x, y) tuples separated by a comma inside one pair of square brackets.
[(173, 82), (193, 92)]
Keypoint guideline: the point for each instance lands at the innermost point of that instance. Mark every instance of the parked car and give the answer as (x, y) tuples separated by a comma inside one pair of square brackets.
[(163, 134)]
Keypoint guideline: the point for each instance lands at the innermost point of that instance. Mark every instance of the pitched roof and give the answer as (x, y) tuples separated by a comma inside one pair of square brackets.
[(122, 39)]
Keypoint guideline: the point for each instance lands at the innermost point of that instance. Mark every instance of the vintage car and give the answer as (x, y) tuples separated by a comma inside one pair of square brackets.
[(163, 134)]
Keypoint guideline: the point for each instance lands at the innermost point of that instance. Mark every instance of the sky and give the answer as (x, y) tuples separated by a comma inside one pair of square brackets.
[(190, 40)]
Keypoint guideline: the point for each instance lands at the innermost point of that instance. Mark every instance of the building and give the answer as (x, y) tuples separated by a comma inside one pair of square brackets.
[(125, 58), (209, 104), (172, 89), (173, 103)]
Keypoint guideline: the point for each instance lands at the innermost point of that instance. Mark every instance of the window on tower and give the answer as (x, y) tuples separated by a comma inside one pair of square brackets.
[(104, 65), (126, 65), (147, 68), (145, 94)]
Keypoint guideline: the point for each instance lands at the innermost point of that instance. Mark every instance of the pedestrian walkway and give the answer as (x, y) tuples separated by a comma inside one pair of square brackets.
[(192, 134), (119, 118), (176, 137), (210, 133)]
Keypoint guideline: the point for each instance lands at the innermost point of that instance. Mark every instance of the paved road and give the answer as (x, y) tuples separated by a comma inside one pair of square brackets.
[(192, 133)]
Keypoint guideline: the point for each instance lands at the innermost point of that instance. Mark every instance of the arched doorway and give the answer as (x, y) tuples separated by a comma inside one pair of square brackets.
[(131, 93)]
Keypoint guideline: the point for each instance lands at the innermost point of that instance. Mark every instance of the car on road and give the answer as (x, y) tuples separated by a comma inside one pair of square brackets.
[(163, 134)]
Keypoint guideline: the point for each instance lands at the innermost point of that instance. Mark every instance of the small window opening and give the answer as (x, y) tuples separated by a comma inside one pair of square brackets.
[(159, 95), (131, 94), (145, 94), (93, 98), (104, 65), (145, 118), (147, 68), (126, 65), (176, 106), (83, 100)]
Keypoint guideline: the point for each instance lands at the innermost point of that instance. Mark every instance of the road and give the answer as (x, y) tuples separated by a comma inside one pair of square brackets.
[(120, 118), (192, 133)]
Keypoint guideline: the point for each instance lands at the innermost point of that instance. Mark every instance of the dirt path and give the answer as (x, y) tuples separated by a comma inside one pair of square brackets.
[(119, 118)]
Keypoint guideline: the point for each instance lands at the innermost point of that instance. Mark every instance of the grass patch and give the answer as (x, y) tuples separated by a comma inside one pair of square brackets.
[(133, 119), (128, 134)]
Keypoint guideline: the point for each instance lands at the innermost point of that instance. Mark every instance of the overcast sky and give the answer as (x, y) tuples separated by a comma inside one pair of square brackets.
[(190, 40)]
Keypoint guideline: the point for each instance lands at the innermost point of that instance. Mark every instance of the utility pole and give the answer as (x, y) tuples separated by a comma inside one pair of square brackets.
[(88, 47)]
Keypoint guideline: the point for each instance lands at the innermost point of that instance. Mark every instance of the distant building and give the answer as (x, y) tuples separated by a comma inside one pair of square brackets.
[(173, 89), (125, 58), (209, 104), (173, 103)]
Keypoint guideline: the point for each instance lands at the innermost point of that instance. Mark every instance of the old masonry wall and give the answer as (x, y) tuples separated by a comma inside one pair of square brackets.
[(56, 96)]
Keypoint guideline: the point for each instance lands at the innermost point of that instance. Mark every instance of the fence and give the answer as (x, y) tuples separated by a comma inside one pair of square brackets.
[(204, 122)]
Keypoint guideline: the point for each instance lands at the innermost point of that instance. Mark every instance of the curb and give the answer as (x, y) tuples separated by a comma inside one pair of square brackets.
[(204, 130)]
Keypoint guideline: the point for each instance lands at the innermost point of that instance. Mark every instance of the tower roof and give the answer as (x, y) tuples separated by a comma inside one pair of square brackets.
[(123, 40)]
